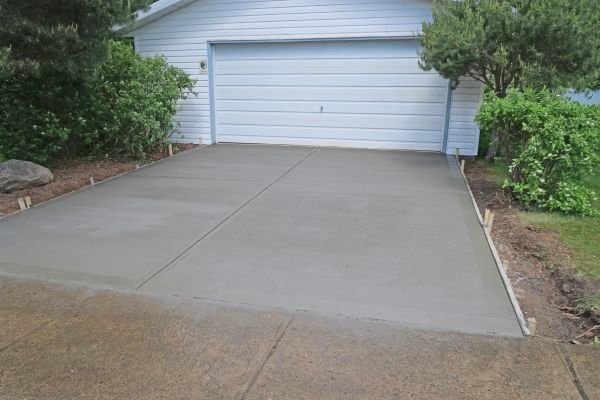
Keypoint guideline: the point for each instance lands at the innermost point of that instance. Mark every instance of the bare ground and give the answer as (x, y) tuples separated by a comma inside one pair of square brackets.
[(70, 175), (538, 264)]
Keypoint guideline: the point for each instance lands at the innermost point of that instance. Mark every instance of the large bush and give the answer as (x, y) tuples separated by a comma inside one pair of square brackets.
[(130, 103), (551, 144), (125, 107), (28, 130)]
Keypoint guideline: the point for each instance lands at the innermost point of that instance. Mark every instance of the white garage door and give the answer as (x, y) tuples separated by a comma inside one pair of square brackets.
[(369, 94)]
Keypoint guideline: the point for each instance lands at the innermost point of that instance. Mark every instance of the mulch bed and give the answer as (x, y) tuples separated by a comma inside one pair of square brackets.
[(537, 263), (70, 175)]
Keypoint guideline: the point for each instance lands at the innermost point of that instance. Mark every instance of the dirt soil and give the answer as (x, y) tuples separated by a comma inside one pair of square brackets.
[(537, 263), (70, 175)]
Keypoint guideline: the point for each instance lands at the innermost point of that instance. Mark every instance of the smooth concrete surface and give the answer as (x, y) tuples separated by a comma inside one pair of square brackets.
[(102, 344), (386, 235)]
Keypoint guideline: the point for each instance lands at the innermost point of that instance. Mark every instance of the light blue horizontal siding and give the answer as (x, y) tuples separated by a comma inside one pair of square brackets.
[(463, 132), (182, 37), (584, 98)]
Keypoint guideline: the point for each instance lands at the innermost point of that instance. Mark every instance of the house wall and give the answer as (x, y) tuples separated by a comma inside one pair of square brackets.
[(584, 98), (182, 37)]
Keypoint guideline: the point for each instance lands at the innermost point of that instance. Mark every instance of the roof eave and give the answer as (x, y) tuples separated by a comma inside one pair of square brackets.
[(155, 11)]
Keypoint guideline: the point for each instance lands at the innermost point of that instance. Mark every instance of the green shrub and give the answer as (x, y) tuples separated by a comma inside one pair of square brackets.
[(124, 108), (28, 131), (130, 103), (551, 145)]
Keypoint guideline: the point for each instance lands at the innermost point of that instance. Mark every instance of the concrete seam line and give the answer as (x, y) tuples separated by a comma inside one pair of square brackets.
[(268, 356), (90, 187), (499, 266), (173, 262), (565, 358), (34, 330)]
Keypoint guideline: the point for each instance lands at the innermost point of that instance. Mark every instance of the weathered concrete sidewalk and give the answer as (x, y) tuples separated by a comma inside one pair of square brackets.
[(60, 342)]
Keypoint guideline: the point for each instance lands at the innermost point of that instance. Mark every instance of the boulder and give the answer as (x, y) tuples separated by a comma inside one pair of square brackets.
[(17, 174)]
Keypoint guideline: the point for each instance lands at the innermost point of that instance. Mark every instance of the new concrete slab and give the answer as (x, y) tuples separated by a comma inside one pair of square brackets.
[(375, 234), (121, 232)]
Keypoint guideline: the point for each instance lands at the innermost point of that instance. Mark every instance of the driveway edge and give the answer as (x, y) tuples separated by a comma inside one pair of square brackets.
[(505, 280)]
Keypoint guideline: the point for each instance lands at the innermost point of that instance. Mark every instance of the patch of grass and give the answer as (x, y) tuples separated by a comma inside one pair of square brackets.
[(588, 304), (498, 169), (580, 234)]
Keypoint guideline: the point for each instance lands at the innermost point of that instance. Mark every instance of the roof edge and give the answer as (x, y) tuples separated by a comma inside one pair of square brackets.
[(155, 11)]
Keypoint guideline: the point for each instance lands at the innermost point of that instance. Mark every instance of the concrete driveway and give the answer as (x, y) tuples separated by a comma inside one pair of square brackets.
[(383, 235)]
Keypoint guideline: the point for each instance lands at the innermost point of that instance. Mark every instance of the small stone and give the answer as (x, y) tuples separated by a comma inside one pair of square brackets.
[(17, 175)]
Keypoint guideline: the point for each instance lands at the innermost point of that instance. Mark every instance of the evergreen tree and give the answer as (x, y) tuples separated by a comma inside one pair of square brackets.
[(515, 43), (58, 38)]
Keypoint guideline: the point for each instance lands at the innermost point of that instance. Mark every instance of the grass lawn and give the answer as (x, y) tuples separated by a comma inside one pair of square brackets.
[(580, 234)]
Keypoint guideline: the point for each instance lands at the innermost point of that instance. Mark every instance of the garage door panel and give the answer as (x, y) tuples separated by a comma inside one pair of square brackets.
[(342, 107), (320, 66), (423, 94), (368, 94), (341, 79), (362, 144), (231, 130), (325, 120), (339, 50)]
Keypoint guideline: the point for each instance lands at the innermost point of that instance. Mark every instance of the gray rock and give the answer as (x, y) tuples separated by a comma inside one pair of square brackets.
[(17, 174)]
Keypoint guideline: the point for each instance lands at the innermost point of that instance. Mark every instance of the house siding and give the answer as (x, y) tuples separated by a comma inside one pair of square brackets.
[(463, 132), (182, 38), (592, 98)]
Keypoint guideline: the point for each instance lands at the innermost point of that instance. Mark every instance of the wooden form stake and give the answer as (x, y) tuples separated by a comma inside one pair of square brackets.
[(488, 220), (92, 182), (462, 165), (28, 201), (532, 324), (22, 205), (170, 149)]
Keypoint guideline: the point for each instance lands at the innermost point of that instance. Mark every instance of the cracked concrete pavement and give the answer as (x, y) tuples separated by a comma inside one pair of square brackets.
[(67, 342)]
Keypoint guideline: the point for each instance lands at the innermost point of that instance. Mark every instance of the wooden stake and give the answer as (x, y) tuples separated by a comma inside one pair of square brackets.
[(505, 264), (28, 201), (486, 216), (490, 222), (92, 182), (462, 165), (22, 205), (532, 324), (170, 150)]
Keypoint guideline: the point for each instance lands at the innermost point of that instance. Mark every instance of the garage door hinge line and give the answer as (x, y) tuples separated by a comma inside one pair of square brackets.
[(170, 264)]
